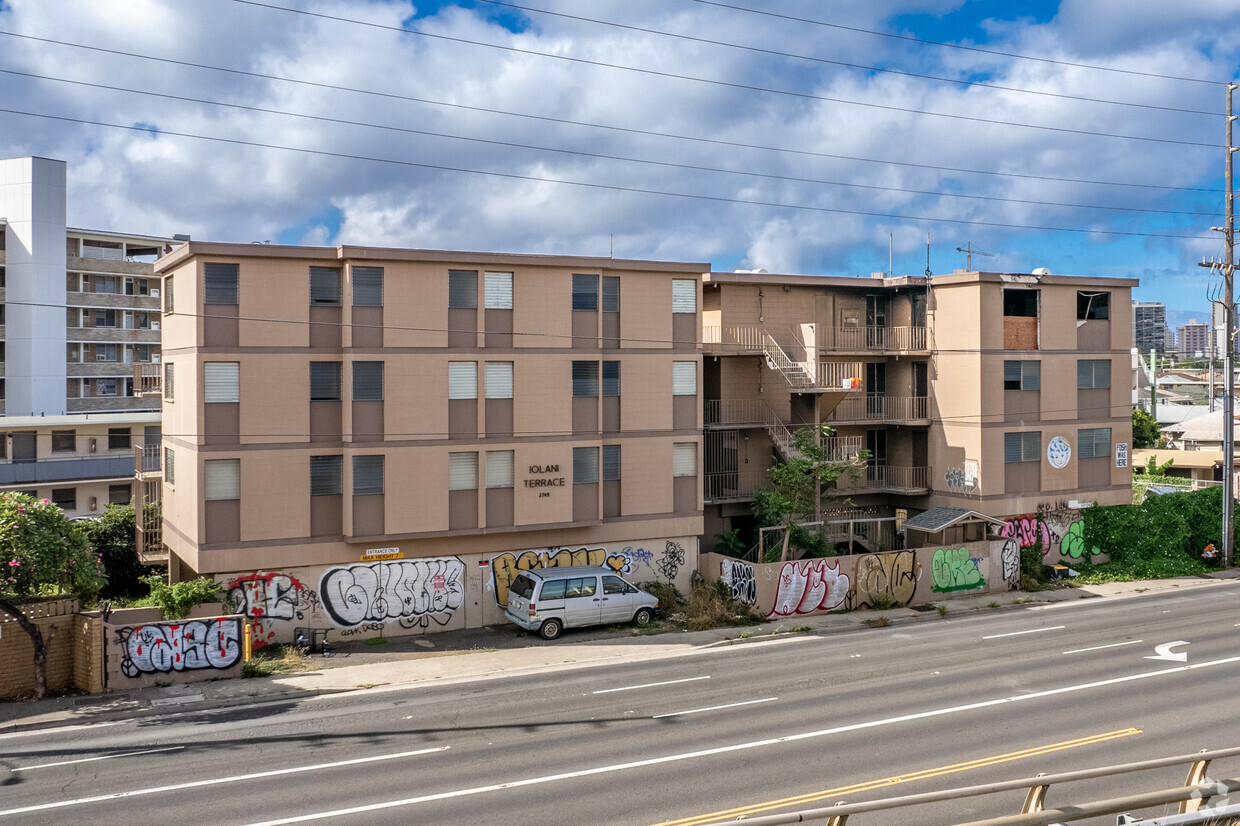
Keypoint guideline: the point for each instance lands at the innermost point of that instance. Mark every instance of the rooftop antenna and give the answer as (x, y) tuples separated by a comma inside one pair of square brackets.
[(928, 255), (969, 250)]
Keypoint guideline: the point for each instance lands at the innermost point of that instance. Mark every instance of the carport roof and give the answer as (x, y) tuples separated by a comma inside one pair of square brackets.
[(937, 519)]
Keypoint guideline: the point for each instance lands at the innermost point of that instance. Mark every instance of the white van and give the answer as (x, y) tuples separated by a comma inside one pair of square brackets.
[(548, 600)]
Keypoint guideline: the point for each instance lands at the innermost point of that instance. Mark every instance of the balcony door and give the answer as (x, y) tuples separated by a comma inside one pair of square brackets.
[(875, 320), (875, 388)]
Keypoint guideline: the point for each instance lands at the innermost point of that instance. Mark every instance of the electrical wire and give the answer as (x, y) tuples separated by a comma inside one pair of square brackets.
[(150, 130), (728, 84), (604, 127), (845, 65), (597, 155)]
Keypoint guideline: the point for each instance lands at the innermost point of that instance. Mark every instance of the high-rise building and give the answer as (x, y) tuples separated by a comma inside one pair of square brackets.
[(80, 320), (1194, 338), (1149, 327)]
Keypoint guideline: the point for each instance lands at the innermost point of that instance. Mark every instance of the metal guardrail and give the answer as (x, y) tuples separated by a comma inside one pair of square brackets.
[(1196, 791), (56, 470), (881, 408), (147, 379)]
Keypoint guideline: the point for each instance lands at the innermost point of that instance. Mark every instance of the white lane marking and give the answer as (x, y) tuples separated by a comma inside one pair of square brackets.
[(712, 708), (673, 758), (92, 759), (1164, 652), (650, 685), (1030, 631), (60, 804), (1100, 647), (9, 735)]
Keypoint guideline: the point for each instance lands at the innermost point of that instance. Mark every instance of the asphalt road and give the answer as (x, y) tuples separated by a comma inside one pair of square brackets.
[(790, 723)]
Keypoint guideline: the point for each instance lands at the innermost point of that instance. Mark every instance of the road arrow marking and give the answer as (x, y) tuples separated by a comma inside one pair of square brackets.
[(1164, 652)]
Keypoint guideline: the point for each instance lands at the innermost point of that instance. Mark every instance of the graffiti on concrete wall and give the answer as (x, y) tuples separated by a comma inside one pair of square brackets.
[(180, 646), (1028, 531), (964, 479), (1059, 530), (883, 579), (673, 557), (268, 600), (413, 592), (954, 569), (739, 577), (808, 586), (1009, 557), (506, 566), (634, 559)]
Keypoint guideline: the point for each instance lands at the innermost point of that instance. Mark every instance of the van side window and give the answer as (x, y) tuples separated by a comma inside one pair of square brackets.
[(614, 585), (588, 586), (552, 589)]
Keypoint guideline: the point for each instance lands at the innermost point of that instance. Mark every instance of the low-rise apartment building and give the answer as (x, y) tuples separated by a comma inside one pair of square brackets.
[(379, 440)]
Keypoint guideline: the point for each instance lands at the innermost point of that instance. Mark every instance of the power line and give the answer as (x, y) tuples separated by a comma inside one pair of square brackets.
[(978, 49), (605, 127), (595, 155), (723, 83), (150, 130), (846, 65)]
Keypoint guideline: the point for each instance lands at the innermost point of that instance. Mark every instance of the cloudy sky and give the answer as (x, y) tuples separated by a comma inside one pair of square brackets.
[(796, 135)]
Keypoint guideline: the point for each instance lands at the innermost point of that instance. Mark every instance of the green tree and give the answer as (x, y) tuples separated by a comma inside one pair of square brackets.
[(113, 538), (42, 555), (794, 488), (1144, 429)]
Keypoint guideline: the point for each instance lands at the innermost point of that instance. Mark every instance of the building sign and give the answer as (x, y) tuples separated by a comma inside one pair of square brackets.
[(1121, 454), (544, 477), (378, 554), (1058, 453)]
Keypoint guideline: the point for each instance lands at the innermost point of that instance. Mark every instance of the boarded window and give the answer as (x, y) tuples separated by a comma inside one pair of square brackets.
[(497, 291), (220, 382), (222, 478), (367, 381), (462, 380), (368, 286), (326, 473), (463, 471), (220, 283)]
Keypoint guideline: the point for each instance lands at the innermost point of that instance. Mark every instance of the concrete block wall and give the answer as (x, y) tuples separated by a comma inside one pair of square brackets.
[(56, 620)]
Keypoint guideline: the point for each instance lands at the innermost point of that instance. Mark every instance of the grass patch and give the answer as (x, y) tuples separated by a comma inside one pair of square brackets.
[(711, 606), (276, 659), (877, 622), (993, 605), (375, 641), (942, 609), (882, 602)]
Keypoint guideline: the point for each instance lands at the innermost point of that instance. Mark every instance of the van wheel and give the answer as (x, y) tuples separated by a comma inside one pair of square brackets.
[(643, 617), (550, 629)]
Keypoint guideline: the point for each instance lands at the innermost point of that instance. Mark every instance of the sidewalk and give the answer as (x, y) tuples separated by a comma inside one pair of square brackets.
[(504, 651)]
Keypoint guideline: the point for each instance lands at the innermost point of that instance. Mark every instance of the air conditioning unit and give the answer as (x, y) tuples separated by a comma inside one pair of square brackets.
[(101, 356)]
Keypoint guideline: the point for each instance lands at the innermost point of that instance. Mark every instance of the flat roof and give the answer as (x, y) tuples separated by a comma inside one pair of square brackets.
[(778, 279), (138, 417), (361, 253)]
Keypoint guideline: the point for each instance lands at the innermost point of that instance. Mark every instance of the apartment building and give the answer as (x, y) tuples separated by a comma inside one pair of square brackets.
[(984, 391), (1194, 338), (379, 440), (79, 319), (1149, 327)]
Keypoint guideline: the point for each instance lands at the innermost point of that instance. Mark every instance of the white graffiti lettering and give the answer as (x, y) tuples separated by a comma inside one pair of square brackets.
[(809, 586), (411, 592), (181, 646), (739, 577)]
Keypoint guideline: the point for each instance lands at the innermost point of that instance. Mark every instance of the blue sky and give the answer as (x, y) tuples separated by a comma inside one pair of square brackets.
[(800, 136)]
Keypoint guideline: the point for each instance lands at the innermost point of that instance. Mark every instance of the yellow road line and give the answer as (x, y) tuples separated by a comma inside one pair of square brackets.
[(925, 774)]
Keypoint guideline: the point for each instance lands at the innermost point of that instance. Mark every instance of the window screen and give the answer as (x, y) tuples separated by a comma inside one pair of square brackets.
[(585, 465), (462, 289), (684, 296), (219, 382), (1093, 374), (499, 469), (585, 379), (585, 292), (1093, 443), (368, 286), (499, 379), (324, 381), (1022, 375), (222, 478), (326, 473), (462, 471), (462, 380), (325, 286), (367, 475), (684, 378), (497, 291), (1022, 447), (367, 381), (684, 459), (611, 378), (611, 463), (220, 283), (611, 293)]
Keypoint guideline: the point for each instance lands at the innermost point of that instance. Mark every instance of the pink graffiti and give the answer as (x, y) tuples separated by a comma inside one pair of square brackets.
[(1027, 531), (809, 586)]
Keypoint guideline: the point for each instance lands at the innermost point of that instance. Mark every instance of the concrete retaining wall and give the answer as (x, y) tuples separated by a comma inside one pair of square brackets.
[(56, 621)]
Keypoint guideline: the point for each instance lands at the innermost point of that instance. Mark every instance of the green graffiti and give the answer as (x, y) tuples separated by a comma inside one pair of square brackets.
[(954, 570), (1073, 543)]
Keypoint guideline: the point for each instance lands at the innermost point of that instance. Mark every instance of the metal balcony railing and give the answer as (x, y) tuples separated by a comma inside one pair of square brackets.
[(884, 479), (755, 412), (56, 470), (881, 408), (881, 339), (735, 339), (147, 459), (733, 486)]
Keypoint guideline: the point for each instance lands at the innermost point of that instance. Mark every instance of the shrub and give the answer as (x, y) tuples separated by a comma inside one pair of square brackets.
[(711, 606), (176, 600)]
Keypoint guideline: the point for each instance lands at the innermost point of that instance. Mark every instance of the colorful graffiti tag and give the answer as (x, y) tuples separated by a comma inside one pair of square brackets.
[(739, 577), (1060, 530), (881, 579), (506, 566), (953, 569), (268, 600), (411, 592), (180, 646), (808, 586), (1028, 531)]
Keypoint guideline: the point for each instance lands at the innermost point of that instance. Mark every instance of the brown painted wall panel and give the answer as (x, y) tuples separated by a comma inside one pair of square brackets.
[(367, 329), (499, 507), (367, 516), (325, 327), (223, 521), (462, 509), (326, 515)]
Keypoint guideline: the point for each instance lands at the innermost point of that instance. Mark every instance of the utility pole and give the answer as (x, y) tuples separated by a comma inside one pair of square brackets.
[(1228, 269)]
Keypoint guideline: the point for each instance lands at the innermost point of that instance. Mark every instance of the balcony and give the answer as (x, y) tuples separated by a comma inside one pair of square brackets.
[(735, 413), (62, 470), (148, 379), (910, 481), (893, 409), (146, 462), (897, 340), (731, 486), (732, 340)]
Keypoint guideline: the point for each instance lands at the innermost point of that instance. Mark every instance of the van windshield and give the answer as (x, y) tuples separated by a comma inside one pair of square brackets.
[(522, 586)]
